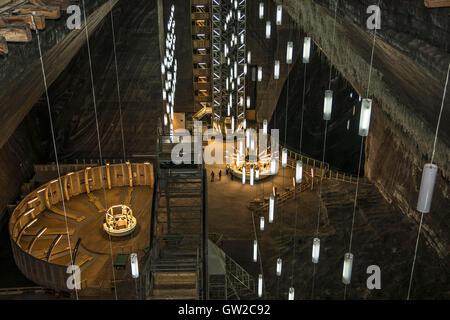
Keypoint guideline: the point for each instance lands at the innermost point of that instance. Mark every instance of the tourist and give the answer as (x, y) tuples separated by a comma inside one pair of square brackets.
[(212, 176), (220, 175)]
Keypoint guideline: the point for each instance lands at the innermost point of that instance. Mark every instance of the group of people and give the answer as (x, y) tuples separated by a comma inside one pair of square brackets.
[(227, 171)]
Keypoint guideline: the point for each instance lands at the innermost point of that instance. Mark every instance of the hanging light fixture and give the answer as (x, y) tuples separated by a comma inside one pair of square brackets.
[(306, 49), (289, 52), (249, 57), (279, 14), (264, 126), (316, 250), (284, 155), (252, 175), (291, 293), (238, 159), (166, 120), (299, 171), (347, 269), (244, 124), (276, 71), (268, 29), (364, 120), (134, 265), (271, 207), (260, 286), (243, 174), (261, 10), (248, 102), (279, 265), (427, 187), (327, 104), (255, 251), (261, 223), (257, 173), (273, 166), (260, 74)]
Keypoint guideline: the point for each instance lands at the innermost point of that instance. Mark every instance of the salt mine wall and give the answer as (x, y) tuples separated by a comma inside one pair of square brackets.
[(407, 95)]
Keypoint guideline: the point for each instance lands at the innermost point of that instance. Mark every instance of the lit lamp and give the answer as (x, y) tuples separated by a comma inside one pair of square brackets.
[(427, 187), (248, 102), (289, 52), (316, 250), (261, 223), (260, 285), (257, 173), (264, 126), (273, 166), (166, 120), (249, 57), (364, 121), (327, 104), (347, 270), (291, 293), (134, 265), (306, 49), (243, 174), (276, 71), (252, 175), (299, 171), (268, 29), (260, 74), (279, 265), (279, 14), (284, 154), (255, 251), (261, 10), (271, 207)]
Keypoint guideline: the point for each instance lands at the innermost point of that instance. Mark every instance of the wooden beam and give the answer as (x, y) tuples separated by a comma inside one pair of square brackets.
[(47, 11), (437, 3), (16, 32), (62, 4), (3, 46), (24, 19)]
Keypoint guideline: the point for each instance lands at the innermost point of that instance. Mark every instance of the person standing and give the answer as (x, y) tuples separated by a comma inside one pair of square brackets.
[(212, 176), (220, 175)]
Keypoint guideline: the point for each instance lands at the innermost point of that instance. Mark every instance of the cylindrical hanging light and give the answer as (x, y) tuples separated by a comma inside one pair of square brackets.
[(255, 251), (316, 250), (276, 71), (289, 52), (279, 265), (261, 10), (249, 57), (284, 155), (364, 120), (252, 175), (261, 223), (238, 159), (427, 187), (273, 166), (299, 171), (279, 14), (134, 265), (166, 120), (347, 269), (248, 102), (244, 124), (306, 49), (260, 74), (257, 173), (243, 174), (291, 293), (264, 126), (327, 104), (268, 29), (260, 286), (271, 208)]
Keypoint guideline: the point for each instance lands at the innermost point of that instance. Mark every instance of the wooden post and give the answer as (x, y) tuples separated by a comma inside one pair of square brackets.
[(108, 176), (130, 174), (86, 179), (66, 192)]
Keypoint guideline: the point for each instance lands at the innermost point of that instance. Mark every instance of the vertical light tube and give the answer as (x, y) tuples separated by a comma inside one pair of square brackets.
[(248, 102), (306, 49), (257, 173), (264, 126), (289, 52), (316, 250), (261, 10), (276, 71), (268, 29), (364, 121), (291, 293), (252, 175), (271, 207), (279, 266), (238, 159), (260, 286), (279, 14), (299, 171), (243, 174), (284, 155), (134, 265), (249, 57), (261, 223), (327, 104), (255, 251), (260, 74), (273, 166), (166, 120), (427, 187), (347, 269)]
